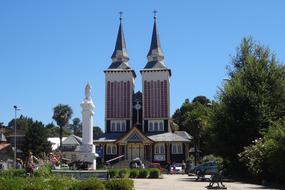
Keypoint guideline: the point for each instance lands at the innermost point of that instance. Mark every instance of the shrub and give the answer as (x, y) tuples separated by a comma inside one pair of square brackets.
[(44, 171), (124, 173), (143, 173), (12, 183), (89, 184), (13, 173), (119, 184), (154, 173), (134, 173), (114, 173)]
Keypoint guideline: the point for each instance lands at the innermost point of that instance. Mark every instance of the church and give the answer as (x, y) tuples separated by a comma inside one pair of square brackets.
[(138, 124)]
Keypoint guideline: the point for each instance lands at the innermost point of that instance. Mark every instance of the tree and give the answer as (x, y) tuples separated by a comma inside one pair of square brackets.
[(97, 132), (77, 126), (249, 101), (22, 123), (194, 118), (62, 114), (36, 139)]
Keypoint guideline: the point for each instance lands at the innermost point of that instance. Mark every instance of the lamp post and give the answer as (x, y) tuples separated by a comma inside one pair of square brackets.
[(15, 133)]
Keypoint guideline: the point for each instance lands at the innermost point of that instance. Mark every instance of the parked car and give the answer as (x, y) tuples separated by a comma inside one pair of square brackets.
[(206, 168), (176, 168)]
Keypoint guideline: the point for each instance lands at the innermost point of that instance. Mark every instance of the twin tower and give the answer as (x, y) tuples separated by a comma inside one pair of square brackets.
[(149, 110)]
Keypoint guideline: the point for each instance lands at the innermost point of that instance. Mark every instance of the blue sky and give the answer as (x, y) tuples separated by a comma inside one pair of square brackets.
[(50, 49)]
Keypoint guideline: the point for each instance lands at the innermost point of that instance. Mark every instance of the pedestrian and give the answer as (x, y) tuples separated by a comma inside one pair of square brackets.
[(30, 163), (183, 167)]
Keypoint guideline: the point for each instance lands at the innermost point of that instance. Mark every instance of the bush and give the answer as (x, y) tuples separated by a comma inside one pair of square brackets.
[(44, 171), (12, 183), (114, 173), (13, 173), (119, 184), (89, 184), (143, 173), (124, 173), (134, 173), (154, 173)]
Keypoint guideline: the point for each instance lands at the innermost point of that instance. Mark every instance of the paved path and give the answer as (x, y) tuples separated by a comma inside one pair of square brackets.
[(183, 182)]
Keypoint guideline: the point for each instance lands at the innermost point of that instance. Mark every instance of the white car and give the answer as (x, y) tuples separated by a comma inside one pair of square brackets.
[(177, 167)]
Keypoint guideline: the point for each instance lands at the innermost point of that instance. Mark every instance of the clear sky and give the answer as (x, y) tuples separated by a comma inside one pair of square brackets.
[(50, 49)]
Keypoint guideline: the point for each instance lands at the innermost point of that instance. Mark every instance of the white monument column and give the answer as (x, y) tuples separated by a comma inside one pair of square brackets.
[(87, 149)]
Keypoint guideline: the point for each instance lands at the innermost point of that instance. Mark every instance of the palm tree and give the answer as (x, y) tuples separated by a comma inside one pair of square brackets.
[(61, 114)]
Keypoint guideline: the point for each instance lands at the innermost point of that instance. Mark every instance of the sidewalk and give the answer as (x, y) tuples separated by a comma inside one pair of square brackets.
[(183, 182)]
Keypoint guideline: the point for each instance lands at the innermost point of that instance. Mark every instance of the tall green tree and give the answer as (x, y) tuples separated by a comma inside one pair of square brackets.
[(36, 139), (194, 118), (253, 97), (62, 114)]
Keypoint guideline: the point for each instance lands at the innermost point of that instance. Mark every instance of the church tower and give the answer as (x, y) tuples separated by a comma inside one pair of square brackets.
[(155, 84), (119, 88)]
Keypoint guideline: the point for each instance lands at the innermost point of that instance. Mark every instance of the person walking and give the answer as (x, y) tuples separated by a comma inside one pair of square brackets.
[(183, 167), (30, 163)]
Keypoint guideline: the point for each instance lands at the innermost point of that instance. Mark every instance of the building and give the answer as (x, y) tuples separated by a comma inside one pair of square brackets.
[(139, 124)]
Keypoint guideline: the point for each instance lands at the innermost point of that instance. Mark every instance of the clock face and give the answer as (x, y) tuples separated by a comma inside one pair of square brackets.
[(137, 106)]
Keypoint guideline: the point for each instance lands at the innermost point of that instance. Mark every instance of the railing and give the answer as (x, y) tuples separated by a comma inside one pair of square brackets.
[(108, 162)]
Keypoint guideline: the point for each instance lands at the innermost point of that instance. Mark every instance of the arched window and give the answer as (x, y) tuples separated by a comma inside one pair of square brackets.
[(114, 149), (155, 126), (162, 151), (109, 150), (118, 126)]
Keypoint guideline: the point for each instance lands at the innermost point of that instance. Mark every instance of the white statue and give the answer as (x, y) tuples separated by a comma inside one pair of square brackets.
[(88, 91)]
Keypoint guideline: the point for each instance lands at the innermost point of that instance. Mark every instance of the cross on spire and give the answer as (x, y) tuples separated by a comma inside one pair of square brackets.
[(120, 13), (154, 14)]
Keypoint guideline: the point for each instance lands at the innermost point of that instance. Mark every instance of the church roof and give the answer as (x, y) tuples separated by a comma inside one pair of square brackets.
[(109, 137), (119, 65), (168, 136)]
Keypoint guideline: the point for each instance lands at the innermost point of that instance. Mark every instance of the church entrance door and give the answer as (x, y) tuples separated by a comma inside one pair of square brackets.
[(135, 150)]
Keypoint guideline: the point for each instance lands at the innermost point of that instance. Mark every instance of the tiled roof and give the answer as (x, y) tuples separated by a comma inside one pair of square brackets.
[(109, 137), (168, 136)]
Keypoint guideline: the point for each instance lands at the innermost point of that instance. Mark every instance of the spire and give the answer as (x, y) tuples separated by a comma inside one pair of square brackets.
[(120, 53), (155, 54), (155, 49)]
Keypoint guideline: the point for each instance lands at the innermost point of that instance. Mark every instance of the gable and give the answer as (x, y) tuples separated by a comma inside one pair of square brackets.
[(134, 135)]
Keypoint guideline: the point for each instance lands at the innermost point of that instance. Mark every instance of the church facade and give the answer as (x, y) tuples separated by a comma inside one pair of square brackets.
[(138, 124)]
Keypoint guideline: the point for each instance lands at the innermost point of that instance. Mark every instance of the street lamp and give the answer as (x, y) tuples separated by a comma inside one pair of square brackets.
[(15, 138)]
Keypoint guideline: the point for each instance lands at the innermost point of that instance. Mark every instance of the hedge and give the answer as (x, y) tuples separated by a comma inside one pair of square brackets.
[(119, 184)]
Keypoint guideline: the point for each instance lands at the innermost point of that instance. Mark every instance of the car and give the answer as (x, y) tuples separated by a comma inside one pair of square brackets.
[(176, 168), (209, 168)]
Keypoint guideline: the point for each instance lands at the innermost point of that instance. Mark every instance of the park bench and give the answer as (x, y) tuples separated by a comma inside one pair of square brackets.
[(217, 178)]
